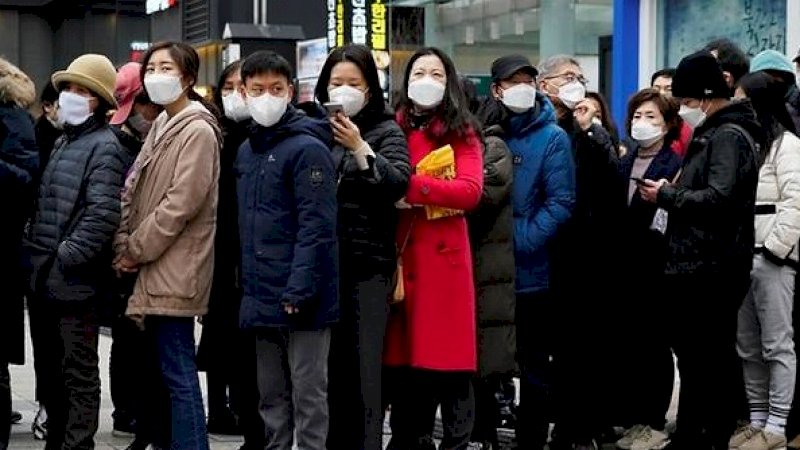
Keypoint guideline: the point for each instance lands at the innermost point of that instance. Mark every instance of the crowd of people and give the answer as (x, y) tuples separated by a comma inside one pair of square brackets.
[(348, 260)]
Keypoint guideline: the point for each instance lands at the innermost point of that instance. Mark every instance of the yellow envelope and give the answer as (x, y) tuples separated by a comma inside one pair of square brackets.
[(440, 164)]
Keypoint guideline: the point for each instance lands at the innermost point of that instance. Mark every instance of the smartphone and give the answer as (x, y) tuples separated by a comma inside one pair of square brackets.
[(638, 180), (333, 108)]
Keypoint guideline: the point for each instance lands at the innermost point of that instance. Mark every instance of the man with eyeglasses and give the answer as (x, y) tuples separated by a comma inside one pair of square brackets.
[(582, 257)]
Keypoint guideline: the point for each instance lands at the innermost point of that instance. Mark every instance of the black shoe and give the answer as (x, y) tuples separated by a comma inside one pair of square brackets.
[(16, 417), (39, 426), (124, 428)]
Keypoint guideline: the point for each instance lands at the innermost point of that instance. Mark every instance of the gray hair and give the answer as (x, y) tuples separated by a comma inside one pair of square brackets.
[(549, 66)]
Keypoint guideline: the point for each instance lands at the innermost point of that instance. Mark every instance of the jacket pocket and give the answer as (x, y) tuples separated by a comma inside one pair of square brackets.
[(175, 273)]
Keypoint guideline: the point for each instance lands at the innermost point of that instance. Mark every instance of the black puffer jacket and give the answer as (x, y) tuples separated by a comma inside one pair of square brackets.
[(491, 236), (367, 216), (77, 214), (711, 207)]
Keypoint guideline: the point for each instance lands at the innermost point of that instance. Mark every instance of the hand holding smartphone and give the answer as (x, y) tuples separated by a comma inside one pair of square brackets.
[(639, 181), (333, 109)]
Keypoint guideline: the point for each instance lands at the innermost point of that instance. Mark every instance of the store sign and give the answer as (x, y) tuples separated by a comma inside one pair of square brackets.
[(138, 49), (154, 6), (363, 22)]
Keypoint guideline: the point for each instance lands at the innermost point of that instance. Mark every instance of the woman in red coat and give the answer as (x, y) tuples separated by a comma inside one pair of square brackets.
[(430, 342)]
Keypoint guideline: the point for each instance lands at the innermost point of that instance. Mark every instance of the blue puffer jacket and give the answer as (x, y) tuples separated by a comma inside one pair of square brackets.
[(286, 188), (543, 192)]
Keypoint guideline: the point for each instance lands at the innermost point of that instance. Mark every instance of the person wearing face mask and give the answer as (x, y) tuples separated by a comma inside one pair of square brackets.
[(286, 189), (69, 248), (48, 127), (371, 156), (639, 328), (541, 198), (707, 215), (166, 238), (19, 168), (226, 353), (431, 339), (583, 249), (765, 328)]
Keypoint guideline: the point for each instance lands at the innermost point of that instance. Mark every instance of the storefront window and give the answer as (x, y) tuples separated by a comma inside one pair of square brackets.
[(475, 32)]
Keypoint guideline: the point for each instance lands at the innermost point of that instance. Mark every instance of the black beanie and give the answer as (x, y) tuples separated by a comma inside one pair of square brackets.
[(700, 76)]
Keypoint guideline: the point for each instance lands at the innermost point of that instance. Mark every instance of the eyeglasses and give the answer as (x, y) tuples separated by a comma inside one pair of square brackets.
[(570, 77)]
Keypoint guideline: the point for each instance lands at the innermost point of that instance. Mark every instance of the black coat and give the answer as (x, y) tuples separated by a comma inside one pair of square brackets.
[(793, 105), (711, 208), (46, 136), (491, 228), (77, 214), (19, 167), (367, 216), (221, 324)]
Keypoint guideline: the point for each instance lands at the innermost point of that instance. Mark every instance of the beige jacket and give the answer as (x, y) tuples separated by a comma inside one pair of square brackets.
[(169, 207)]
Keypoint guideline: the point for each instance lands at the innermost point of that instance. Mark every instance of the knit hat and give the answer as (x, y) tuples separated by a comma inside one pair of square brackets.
[(94, 72), (699, 75), (771, 60), (129, 85)]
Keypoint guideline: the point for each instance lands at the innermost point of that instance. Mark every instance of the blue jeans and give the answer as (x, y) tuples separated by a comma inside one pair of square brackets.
[(175, 346)]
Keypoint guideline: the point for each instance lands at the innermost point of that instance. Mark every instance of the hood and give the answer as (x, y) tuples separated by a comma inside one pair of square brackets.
[(542, 114), (739, 112), (165, 128), (15, 86), (294, 122)]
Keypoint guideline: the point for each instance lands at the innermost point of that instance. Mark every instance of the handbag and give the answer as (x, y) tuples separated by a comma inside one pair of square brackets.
[(398, 286)]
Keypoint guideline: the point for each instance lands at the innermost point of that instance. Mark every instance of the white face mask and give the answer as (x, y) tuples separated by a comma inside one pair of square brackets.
[(351, 99), (163, 89), (140, 124), (426, 93), (572, 93), (73, 109), (519, 98), (645, 133), (267, 109), (692, 116), (235, 107)]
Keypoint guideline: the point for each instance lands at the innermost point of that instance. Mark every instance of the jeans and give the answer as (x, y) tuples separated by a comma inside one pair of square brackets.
[(765, 338), (173, 341)]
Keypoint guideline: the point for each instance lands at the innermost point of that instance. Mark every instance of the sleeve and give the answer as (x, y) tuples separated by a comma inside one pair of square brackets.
[(96, 226), (722, 173), (314, 184), (192, 181), (533, 232), (19, 155), (785, 234), (497, 172), (464, 191), (388, 168)]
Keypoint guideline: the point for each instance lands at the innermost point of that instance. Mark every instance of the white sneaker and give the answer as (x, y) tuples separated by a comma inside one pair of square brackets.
[(650, 439), (629, 436)]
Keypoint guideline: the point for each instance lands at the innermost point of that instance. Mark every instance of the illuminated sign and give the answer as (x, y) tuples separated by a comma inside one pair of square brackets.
[(359, 22), (154, 6)]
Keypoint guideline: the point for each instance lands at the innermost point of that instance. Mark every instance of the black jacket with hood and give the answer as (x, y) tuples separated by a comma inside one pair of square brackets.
[(710, 208)]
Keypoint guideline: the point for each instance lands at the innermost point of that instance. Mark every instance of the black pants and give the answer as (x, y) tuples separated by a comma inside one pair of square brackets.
[(244, 396), (153, 409), (355, 366), (123, 368), (38, 313), (704, 318), (416, 395), (5, 405), (536, 347), (486, 409), (73, 388)]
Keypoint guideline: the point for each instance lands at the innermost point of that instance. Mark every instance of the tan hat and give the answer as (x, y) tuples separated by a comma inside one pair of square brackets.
[(94, 72)]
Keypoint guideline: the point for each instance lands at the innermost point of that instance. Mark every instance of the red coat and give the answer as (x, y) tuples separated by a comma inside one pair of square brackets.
[(435, 327), (680, 145)]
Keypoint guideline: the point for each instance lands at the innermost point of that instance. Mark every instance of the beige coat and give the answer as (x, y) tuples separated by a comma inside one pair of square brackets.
[(169, 208)]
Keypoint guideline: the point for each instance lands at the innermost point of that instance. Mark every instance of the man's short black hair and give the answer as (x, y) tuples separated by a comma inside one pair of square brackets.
[(266, 61), (731, 57), (666, 73)]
